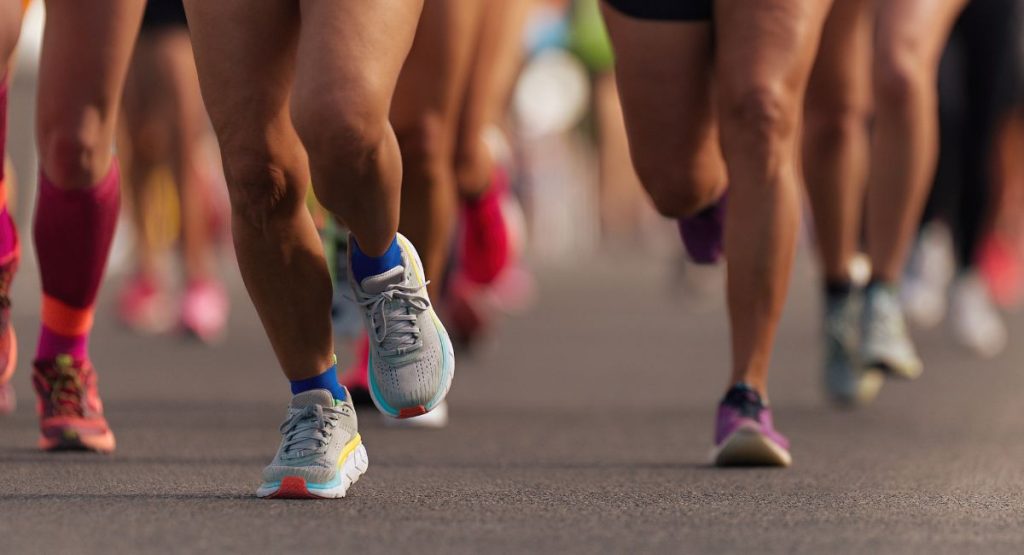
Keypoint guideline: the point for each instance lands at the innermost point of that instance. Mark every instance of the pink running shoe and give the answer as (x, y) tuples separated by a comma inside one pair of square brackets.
[(745, 434), (485, 248), (8, 341), (69, 406), (143, 307), (703, 233), (204, 311), (355, 379)]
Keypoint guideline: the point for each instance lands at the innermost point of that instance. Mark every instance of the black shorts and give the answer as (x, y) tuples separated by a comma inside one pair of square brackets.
[(161, 14), (665, 10)]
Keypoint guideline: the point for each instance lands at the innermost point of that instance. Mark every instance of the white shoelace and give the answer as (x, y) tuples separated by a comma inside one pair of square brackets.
[(393, 315), (308, 430)]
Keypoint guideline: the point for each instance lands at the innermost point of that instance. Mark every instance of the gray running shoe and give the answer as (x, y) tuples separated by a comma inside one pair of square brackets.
[(885, 343), (845, 381), (411, 358), (321, 453)]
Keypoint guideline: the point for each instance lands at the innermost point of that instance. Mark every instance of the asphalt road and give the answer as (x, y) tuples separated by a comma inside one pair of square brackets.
[(585, 428)]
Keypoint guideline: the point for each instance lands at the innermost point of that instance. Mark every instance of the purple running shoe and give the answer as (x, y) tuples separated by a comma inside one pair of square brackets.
[(703, 233), (744, 434)]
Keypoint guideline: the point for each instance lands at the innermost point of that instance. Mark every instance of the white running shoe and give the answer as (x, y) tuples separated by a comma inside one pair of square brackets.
[(411, 357), (846, 382), (321, 452), (435, 419), (975, 320), (928, 275), (885, 342)]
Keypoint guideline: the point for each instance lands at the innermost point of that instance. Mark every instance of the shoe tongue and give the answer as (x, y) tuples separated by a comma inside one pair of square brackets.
[(380, 282), (312, 397)]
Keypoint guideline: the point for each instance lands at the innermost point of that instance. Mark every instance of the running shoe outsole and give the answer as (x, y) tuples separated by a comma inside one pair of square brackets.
[(747, 447), (295, 487), (72, 441)]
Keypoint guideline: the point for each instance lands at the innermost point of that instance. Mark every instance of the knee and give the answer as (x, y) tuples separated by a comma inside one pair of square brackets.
[(898, 74), (425, 143), (679, 190), (72, 158), (346, 132), (261, 190), (831, 125), (759, 114)]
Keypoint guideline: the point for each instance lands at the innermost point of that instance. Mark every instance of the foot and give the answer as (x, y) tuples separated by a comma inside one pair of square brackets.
[(8, 341), (885, 342), (204, 311), (975, 320), (923, 292), (486, 247), (846, 382), (411, 361), (703, 233), (744, 434), (70, 410), (321, 452), (143, 306)]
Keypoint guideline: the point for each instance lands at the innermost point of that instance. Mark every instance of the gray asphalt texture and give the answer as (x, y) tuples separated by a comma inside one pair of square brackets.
[(583, 427)]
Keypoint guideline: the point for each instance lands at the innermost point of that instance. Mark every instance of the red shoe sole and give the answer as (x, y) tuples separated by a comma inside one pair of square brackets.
[(292, 487)]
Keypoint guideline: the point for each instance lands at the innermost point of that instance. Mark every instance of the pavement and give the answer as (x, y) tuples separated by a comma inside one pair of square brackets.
[(584, 426)]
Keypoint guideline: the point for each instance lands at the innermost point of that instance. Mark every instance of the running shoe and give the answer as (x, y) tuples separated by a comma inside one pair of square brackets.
[(1002, 268), (143, 306), (845, 381), (886, 345), (321, 452), (486, 247), (929, 272), (704, 233), (355, 378), (976, 322), (69, 406), (744, 433), (8, 341), (204, 311), (411, 360)]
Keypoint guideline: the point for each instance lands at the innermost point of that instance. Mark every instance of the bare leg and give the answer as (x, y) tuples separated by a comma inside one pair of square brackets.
[(349, 59), (909, 41), (668, 109), (425, 116), (764, 58), (835, 142), (246, 70)]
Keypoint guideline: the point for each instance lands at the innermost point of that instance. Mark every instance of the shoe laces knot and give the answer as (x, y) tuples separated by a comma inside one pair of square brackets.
[(308, 430), (393, 316)]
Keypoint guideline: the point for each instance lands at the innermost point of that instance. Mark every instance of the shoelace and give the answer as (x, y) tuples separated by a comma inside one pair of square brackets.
[(396, 308), (66, 389), (308, 430), (746, 401)]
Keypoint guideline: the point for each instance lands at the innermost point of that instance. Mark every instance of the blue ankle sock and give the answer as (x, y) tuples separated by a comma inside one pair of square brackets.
[(364, 266), (328, 380)]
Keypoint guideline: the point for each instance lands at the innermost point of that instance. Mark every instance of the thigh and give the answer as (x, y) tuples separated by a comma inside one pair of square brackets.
[(433, 78), (914, 32), (350, 55), (841, 77), (245, 60), (766, 50), (663, 70)]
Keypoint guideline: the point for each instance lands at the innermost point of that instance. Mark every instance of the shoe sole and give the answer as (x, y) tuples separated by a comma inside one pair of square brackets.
[(103, 443), (902, 371), (295, 487), (868, 388), (447, 356), (433, 420), (746, 447)]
